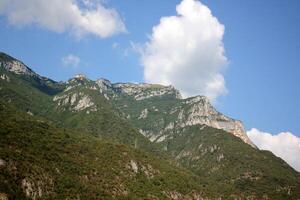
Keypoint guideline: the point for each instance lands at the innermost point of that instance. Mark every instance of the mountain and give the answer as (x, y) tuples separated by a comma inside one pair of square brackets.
[(85, 139), (139, 100), (40, 161)]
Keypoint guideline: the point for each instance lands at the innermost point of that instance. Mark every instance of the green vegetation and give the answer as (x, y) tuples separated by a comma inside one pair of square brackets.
[(64, 164), (51, 149), (228, 166)]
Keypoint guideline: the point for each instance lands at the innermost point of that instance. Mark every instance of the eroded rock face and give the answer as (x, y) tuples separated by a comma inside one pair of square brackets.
[(32, 190), (103, 84), (5, 77), (144, 114), (17, 67), (144, 91), (75, 101), (200, 111), (180, 113), (146, 169), (37, 187), (134, 166), (80, 77), (83, 103), (187, 112)]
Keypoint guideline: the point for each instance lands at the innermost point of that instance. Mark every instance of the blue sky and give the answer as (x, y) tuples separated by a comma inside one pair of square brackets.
[(261, 44)]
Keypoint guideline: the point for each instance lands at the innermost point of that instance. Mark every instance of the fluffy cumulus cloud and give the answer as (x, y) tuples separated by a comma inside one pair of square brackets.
[(284, 145), (61, 16), (70, 61), (187, 51)]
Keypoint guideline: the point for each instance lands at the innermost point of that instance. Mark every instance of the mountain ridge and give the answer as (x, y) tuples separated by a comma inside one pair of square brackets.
[(138, 90), (142, 91), (85, 112)]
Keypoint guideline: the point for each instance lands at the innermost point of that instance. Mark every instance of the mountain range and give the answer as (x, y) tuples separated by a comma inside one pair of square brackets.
[(86, 139)]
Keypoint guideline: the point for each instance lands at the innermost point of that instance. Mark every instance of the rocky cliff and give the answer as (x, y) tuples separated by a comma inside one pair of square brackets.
[(144, 102), (15, 66), (145, 99)]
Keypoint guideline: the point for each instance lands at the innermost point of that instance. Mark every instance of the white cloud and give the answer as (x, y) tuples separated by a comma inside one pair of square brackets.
[(70, 61), (61, 16), (187, 51), (284, 145)]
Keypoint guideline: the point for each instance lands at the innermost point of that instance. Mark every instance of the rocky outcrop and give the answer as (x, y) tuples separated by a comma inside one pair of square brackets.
[(145, 91), (17, 67), (144, 114), (83, 103), (80, 77), (198, 110), (134, 166), (5, 77), (179, 113), (37, 189), (77, 101), (31, 190), (146, 169)]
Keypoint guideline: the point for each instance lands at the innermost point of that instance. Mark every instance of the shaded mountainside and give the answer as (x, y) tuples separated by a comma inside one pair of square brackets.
[(229, 167), (22, 92), (85, 139), (40, 161)]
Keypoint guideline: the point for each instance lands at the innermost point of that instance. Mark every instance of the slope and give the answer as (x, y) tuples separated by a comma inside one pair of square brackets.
[(40, 161), (151, 119), (227, 166), (36, 97)]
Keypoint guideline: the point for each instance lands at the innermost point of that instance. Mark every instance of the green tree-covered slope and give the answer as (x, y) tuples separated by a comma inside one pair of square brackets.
[(85, 139), (40, 161)]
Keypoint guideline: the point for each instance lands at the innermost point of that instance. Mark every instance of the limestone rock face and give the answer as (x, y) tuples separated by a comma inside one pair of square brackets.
[(5, 77), (80, 77), (83, 103), (17, 67), (144, 114), (171, 112), (144, 91), (103, 84), (161, 109), (75, 101), (200, 111)]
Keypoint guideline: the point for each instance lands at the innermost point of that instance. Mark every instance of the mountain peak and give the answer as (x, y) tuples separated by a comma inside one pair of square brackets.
[(141, 91), (16, 66), (185, 112), (80, 77), (103, 84), (13, 65)]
